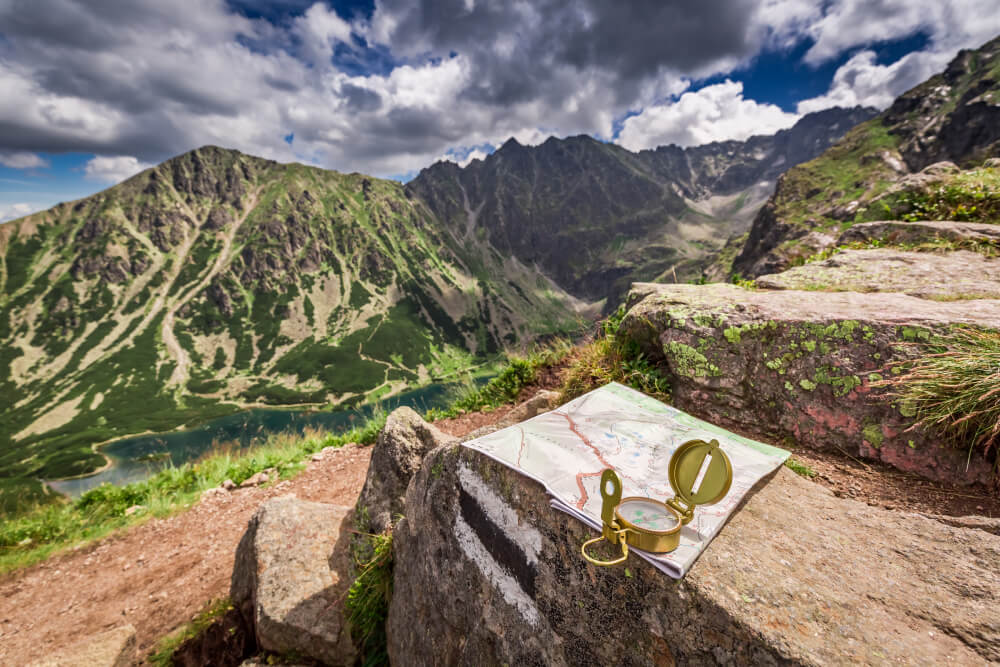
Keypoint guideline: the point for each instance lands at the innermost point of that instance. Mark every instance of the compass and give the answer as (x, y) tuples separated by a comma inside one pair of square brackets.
[(700, 473)]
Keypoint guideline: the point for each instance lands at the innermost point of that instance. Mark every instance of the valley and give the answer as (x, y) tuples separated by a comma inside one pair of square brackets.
[(217, 282)]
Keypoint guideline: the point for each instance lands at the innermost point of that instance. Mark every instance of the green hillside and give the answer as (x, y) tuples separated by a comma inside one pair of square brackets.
[(217, 281)]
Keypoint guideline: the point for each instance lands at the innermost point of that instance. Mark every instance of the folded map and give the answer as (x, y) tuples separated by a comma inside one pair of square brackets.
[(567, 449)]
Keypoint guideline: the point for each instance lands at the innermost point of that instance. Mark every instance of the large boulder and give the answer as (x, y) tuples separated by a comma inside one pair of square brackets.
[(798, 366), (290, 579), (798, 576), (958, 275), (399, 450)]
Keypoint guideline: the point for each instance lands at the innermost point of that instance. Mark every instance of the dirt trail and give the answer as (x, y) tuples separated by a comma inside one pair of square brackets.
[(155, 576)]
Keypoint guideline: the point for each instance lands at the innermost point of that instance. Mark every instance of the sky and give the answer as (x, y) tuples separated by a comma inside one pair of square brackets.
[(94, 91)]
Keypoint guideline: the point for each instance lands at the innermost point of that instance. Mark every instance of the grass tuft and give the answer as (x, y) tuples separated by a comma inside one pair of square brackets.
[(368, 600), (612, 357), (955, 392), (519, 372), (163, 656), (799, 468)]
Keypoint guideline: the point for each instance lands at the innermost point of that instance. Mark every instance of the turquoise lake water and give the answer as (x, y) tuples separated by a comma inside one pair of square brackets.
[(131, 457)]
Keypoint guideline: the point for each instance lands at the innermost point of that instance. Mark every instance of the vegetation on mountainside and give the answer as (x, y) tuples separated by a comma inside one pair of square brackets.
[(217, 281), (966, 196), (613, 358), (519, 372), (35, 534), (955, 391)]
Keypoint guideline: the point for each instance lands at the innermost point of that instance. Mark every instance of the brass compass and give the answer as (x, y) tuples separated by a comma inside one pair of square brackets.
[(700, 474)]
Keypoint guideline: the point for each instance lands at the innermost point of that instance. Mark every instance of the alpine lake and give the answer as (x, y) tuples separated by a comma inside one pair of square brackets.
[(137, 458)]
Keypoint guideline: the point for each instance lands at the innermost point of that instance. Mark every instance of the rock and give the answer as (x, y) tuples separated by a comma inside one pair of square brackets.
[(898, 232), (228, 485), (290, 579), (398, 452), (216, 493), (134, 509), (113, 648), (957, 275), (799, 365), (542, 401), (993, 162), (259, 478), (796, 577)]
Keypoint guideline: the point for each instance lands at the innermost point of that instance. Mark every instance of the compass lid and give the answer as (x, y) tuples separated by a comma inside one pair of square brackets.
[(700, 473)]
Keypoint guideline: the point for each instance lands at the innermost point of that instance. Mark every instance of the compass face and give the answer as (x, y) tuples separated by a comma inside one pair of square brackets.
[(648, 515)]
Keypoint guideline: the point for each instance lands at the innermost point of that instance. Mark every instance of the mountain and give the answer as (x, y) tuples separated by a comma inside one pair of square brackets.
[(218, 280), (904, 162), (595, 217)]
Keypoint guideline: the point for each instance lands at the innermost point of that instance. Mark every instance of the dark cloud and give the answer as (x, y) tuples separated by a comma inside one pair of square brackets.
[(519, 48)]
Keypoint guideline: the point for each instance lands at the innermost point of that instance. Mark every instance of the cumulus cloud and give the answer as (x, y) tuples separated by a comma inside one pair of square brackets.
[(843, 25), (108, 169), (15, 211), (713, 113), (861, 80), (390, 92), (22, 160)]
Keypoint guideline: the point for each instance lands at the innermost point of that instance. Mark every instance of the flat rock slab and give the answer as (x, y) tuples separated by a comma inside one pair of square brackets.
[(798, 367), (899, 232), (798, 576), (954, 276), (290, 579), (113, 648)]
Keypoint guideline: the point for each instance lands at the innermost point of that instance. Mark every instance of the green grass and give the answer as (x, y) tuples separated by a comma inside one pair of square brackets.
[(163, 656), (519, 372), (34, 536), (613, 357), (955, 390), (368, 599), (799, 468), (967, 196)]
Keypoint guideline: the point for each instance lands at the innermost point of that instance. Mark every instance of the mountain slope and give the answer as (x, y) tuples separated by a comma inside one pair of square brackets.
[(881, 168), (217, 280), (596, 217)]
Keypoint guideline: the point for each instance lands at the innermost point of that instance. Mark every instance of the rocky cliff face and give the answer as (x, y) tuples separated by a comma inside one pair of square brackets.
[(217, 280), (596, 217), (885, 168)]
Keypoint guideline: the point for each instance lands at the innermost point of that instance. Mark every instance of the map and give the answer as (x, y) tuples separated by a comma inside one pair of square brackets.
[(567, 449)]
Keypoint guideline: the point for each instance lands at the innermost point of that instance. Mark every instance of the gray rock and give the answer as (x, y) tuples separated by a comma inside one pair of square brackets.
[(899, 232), (290, 579), (228, 485), (796, 577), (396, 457), (958, 275), (799, 365), (113, 648)]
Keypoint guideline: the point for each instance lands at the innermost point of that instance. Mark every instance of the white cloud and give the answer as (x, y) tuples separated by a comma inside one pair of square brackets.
[(15, 211), (713, 113), (113, 169), (861, 80), (22, 160)]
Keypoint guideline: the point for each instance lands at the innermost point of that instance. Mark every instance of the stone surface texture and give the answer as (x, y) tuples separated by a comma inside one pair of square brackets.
[(958, 275), (800, 365), (114, 648), (290, 579), (898, 232), (400, 448), (798, 576)]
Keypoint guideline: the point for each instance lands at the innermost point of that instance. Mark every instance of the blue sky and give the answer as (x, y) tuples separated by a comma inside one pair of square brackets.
[(92, 92)]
